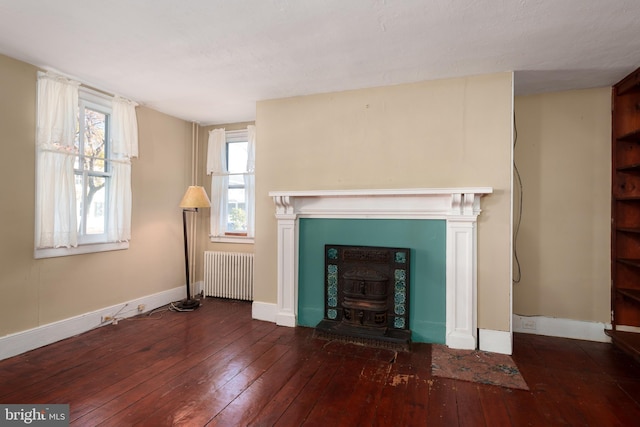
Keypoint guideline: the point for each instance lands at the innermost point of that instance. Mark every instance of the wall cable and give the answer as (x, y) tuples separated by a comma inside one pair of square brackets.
[(518, 272)]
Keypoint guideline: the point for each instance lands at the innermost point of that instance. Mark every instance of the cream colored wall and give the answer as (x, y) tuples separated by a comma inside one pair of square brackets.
[(37, 292), (448, 133), (563, 154)]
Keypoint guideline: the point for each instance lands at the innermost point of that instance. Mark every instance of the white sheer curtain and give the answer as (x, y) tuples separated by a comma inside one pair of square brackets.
[(124, 146), (250, 180), (56, 224), (217, 168)]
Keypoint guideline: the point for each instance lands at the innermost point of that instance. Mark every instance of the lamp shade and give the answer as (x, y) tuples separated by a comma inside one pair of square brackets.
[(195, 197)]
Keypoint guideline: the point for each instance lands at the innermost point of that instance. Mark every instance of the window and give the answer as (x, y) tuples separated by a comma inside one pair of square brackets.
[(84, 143), (230, 161), (92, 170)]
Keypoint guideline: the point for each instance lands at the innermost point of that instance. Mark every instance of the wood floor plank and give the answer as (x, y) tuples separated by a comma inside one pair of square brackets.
[(469, 405), (391, 404), (493, 406), (217, 366), (176, 388), (307, 366), (332, 402), (251, 401), (441, 408), (367, 394), (298, 411)]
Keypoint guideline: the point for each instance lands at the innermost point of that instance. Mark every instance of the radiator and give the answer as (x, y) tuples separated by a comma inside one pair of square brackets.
[(228, 275)]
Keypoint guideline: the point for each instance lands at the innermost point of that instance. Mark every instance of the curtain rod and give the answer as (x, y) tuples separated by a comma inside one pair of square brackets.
[(84, 86)]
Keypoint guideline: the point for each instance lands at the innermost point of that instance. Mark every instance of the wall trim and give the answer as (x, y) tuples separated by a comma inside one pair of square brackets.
[(563, 328), (495, 341), (23, 341), (264, 311)]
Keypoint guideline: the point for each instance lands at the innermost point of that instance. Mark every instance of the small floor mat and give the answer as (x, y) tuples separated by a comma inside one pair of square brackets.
[(476, 366)]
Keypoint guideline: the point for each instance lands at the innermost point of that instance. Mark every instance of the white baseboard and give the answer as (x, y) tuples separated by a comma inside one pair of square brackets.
[(20, 342), (495, 341), (564, 328), (264, 311)]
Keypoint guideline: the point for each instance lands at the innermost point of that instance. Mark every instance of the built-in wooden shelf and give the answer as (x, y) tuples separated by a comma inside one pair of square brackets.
[(625, 252)]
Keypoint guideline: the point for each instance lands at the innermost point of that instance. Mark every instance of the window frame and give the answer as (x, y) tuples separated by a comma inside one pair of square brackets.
[(232, 137), (106, 109)]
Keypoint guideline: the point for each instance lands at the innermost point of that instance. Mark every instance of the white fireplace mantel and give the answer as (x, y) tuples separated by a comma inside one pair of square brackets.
[(460, 208)]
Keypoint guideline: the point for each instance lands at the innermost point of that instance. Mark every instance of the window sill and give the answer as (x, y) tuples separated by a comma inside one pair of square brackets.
[(80, 249), (233, 239)]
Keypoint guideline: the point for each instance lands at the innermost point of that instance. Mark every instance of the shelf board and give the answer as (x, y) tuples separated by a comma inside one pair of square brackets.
[(630, 136), (629, 168), (628, 230), (629, 261), (627, 341), (633, 294)]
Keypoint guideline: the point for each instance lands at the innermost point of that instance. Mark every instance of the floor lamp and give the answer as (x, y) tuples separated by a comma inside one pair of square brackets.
[(194, 198)]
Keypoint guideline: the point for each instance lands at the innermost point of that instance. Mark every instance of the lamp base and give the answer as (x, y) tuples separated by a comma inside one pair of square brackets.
[(187, 305)]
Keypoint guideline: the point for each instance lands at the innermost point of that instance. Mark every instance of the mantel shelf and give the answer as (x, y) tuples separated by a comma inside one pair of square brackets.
[(382, 192)]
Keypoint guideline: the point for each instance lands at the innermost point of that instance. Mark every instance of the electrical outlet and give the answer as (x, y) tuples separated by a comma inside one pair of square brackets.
[(529, 323), (141, 308)]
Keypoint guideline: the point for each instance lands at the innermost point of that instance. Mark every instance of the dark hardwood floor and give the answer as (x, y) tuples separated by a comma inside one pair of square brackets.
[(217, 366)]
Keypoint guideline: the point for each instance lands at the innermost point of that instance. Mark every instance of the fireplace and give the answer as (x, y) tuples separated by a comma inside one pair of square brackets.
[(366, 292), (460, 208)]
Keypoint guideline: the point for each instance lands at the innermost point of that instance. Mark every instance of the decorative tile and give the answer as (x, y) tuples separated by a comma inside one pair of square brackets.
[(332, 253), (398, 322), (399, 309), (401, 257), (400, 274), (332, 314), (332, 291), (332, 301), (400, 297), (332, 269)]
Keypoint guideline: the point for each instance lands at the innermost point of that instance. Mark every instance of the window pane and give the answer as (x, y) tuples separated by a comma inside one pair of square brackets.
[(237, 219), (94, 140), (79, 199), (96, 205), (236, 181), (237, 157)]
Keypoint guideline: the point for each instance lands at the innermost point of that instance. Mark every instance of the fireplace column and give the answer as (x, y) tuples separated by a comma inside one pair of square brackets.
[(461, 272), (287, 262)]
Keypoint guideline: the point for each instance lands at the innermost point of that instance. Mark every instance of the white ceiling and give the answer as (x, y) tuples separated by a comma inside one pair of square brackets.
[(209, 61)]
